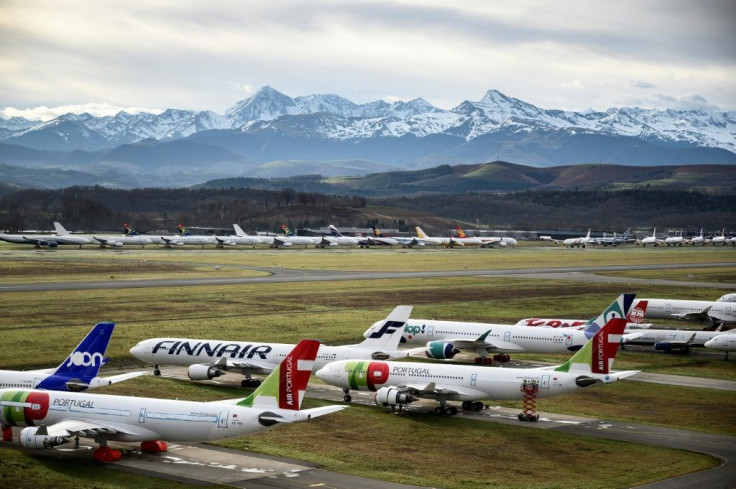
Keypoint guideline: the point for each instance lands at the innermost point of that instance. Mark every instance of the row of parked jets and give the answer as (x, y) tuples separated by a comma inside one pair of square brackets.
[(677, 240), (285, 240), (52, 407)]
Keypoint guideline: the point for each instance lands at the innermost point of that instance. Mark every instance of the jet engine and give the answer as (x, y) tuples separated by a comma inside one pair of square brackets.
[(440, 350), (391, 396), (203, 372), (502, 244), (29, 439)]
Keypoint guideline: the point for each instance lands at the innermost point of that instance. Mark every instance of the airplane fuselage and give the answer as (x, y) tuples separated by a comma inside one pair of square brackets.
[(720, 311), (469, 382), (506, 338), (134, 418), (186, 351)]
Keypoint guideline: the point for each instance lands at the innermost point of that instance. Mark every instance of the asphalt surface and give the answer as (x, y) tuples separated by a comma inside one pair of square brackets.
[(281, 275)]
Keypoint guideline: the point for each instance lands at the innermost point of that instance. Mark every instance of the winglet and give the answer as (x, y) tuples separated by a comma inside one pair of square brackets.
[(284, 388)]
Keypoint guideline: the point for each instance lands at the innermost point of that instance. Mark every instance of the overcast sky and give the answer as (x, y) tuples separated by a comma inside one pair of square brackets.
[(60, 56)]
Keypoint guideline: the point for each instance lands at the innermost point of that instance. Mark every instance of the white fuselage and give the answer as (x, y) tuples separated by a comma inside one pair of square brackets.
[(187, 351), (653, 336), (723, 342), (470, 382), (504, 337), (138, 418), (680, 309), (27, 379), (567, 323)]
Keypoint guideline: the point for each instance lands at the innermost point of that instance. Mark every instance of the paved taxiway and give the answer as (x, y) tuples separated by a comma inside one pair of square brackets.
[(282, 275)]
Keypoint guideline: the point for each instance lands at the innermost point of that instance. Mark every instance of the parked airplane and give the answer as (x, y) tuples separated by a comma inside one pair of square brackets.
[(719, 240), (653, 239), (52, 417), (613, 240), (241, 237), (77, 372), (699, 239), (708, 312), (447, 242), (577, 242), (289, 239), (671, 339), (488, 241), (377, 239), (207, 359), (676, 240), (445, 339), (336, 238), (723, 342), (46, 240), (400, 383), (634, 320), (116, 241)]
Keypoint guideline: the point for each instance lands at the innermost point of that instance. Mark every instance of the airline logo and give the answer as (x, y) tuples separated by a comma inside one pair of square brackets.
[(23, 407), (85, 359), (553, 323), (414, 330), (389, 328), (368, 375)]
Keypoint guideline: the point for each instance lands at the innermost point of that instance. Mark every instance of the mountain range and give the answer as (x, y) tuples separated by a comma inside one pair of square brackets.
[(273, 135)]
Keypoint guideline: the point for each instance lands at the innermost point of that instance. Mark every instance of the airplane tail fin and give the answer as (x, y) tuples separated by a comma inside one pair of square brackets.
[(420, 232), (286, 230), (598, 353), (284, 388), (460, 232), (334, 232), (618, 309), (60, 230), (388, 335), (637, 314), (239, 231), (86, 359), (182, 230), (129, 231), (587, 236), (376, 232)]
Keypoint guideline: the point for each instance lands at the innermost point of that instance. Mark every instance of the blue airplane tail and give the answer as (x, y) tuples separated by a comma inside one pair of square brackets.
[(618, 309), (86, 359)]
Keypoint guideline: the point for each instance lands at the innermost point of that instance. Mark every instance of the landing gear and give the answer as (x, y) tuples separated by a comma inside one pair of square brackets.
[(105, 454), (347, 397), (501, 357), (7, 433), (472, 406), (483, 361), (250, 383), (156, 370), (445, 410)]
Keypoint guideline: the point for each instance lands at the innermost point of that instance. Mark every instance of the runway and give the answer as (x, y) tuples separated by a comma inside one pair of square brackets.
[(281, 275)]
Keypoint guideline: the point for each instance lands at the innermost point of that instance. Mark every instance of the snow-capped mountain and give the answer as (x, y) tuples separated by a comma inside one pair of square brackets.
[(271, 125)]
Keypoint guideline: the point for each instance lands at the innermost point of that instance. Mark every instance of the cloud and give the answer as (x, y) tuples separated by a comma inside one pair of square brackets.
[(642, 84), (44, 113)]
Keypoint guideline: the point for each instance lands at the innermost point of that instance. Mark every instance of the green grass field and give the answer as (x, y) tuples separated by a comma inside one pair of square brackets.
[(475, 454)]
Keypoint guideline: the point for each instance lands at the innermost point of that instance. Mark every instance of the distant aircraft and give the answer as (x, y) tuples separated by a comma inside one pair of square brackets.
[(377, 239), (710, 313), (699, 239), (613, 240), (723, 342), (719, 240), (241, 237), (577, 242), (668, 340), (52, 417), (400, 383), (653, 239), (336, 238), (46, 240), (207, 359), (487, 241), (289, 239), (445, 339), (447, 242), (676, 240), (634, 320), (116, 241)]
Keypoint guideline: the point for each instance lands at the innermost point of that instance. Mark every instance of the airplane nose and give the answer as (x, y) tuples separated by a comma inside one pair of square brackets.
[(321, 373)]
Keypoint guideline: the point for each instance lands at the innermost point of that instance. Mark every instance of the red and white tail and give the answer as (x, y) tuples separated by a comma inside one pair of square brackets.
[(637, 313), (294, 373)]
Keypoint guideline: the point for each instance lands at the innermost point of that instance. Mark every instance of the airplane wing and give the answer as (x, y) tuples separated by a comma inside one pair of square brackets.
[(249, 365), (87, 428), (696, 316), (482, 343), (432, 389), (121, 377)]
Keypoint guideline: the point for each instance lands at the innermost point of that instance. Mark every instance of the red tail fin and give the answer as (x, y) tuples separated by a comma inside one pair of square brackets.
[(605, 345), (294, 373), (636, 315)]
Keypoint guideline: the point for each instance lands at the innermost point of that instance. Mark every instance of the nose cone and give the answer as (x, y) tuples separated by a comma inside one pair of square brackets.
[(137, 350), (322, 374)]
